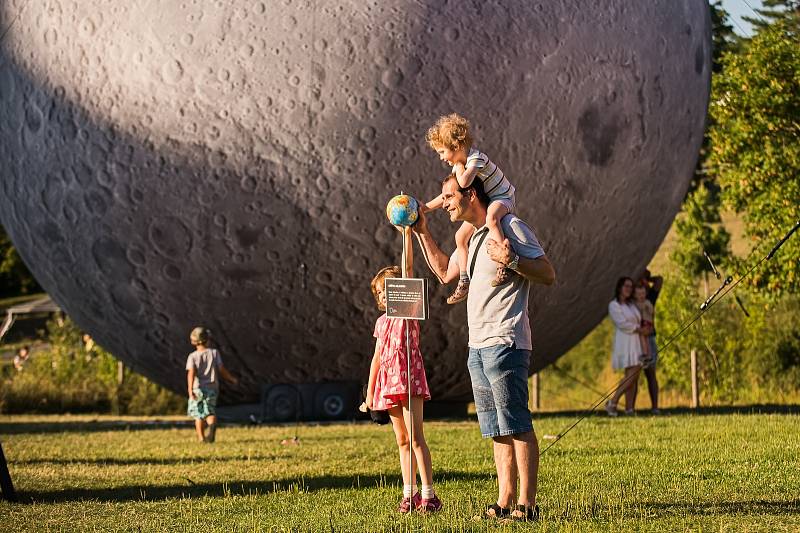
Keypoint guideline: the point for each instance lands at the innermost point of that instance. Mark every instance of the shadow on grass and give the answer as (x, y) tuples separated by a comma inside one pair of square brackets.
[(747, 507), (97, 426), (757, 409), (142, 461), (91, 426), (186, 488)]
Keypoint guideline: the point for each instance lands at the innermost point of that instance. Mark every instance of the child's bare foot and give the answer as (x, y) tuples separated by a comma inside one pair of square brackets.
[(460, 294), (502, 275)]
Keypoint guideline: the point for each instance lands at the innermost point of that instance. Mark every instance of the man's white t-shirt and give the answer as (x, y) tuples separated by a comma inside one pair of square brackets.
[(499, 315)]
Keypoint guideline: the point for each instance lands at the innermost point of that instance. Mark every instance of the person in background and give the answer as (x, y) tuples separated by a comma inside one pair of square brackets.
[(627, 351), (21, 358), (646, 311), (203, 370), (653, 285)]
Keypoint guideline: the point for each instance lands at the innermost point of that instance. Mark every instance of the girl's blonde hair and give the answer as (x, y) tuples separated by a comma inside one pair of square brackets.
[(451, 132), (386, 272)]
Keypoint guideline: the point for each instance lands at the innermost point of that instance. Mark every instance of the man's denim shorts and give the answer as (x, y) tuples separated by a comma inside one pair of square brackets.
[(651, 341), (500, 385)]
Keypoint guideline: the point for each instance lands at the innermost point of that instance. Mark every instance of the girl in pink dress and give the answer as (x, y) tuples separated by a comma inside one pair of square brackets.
[(387, 390)]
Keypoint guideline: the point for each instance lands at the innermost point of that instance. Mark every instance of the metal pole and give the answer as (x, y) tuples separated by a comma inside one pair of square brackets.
[(695, 388), (405, 267)]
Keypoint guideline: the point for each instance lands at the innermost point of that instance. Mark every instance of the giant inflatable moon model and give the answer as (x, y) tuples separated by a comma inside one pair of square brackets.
[(172, 163)]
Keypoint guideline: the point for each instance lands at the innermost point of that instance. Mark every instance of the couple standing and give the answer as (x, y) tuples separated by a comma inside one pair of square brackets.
[(499, 336), (635, 350)]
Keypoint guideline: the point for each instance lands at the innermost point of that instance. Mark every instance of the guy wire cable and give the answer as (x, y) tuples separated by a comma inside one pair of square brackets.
[(594, 406), (573, 378)]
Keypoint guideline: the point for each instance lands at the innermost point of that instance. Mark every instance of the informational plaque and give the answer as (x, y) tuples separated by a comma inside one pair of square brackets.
[(407, 298)]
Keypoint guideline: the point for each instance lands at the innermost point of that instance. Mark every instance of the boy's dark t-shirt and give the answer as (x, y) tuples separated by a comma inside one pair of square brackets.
[(652, 296)]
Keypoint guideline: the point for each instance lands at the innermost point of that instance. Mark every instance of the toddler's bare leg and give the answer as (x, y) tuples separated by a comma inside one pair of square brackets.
[(645, 345), (462, 251), (462, 244), (494, 214), (645, 349)]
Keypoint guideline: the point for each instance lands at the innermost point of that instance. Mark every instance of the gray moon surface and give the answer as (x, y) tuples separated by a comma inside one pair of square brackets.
[(168, 163)]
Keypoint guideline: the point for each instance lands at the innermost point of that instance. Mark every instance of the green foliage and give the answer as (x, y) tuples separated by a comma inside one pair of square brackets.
[(750, 163), (699, 230), (755, 138), (723, 38), (14, 275), (571, 382), (68, 377), (724, 41), (741, 359)]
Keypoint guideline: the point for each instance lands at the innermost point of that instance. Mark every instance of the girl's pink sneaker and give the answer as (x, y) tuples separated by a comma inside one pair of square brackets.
[(433, 505), (406, 503)]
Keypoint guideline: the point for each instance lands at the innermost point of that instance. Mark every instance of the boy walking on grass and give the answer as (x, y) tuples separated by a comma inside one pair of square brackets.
[(203, 370)]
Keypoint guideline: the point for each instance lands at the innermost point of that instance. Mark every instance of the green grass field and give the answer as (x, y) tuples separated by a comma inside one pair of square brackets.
[(683, 471)]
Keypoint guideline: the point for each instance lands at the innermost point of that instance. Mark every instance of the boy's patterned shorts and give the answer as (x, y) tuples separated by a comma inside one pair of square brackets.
[(205, 405)]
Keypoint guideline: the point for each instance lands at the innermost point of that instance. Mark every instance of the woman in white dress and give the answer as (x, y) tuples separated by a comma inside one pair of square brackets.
[(627, 352)]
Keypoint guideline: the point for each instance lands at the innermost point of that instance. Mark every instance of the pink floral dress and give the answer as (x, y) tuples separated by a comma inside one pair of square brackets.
[(390, 383)]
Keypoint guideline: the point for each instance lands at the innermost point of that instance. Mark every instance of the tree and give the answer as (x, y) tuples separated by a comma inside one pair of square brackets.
[(700, 231), (773, 12), (723, 38), (755, 146), (723, 41), (14, 275)]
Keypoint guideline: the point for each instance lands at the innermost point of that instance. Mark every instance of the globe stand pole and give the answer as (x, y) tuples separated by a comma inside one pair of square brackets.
[(406, 268)]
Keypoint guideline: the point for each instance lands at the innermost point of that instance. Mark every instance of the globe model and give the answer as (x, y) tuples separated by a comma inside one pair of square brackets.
[(402, 210), (170, 164)]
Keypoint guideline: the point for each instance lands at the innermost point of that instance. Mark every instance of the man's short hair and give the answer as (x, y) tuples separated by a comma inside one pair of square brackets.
[(476, 185)]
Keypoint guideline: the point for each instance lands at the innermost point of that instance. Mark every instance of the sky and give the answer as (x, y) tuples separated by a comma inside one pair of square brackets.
[(738, 9)]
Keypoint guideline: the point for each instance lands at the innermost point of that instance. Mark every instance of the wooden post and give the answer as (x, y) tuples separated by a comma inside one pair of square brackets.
[(695, 389), (116, 407), (534, 393)]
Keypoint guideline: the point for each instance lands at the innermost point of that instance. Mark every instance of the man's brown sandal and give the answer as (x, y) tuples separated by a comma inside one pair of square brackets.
[(523, 513), (494, 511)]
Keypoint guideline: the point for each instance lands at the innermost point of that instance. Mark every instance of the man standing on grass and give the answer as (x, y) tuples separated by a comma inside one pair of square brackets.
[(499, 338)]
